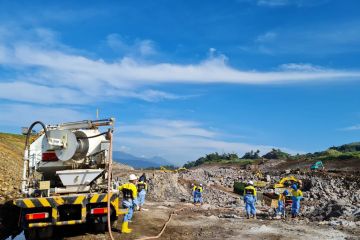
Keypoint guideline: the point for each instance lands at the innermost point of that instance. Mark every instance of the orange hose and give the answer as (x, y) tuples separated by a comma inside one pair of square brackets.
[(109, 186), (165, 225)]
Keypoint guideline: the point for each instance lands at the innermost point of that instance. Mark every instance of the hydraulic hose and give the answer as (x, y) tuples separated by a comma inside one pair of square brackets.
[(97, 135), (109, 184), (27, 153), (30, 129)]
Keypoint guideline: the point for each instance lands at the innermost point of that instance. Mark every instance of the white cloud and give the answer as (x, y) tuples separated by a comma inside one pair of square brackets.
[(297, 3), (352, 128), (309, 39), (168, 128), (266, 37), (178, 141), (35, 93), (307, 67), (139, 47), (67, 74), (15, 115), (274, 3), (150, 95)]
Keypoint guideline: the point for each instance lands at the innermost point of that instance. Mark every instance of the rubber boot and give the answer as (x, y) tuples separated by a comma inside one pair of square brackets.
[(125, 227), (254, 216), (248, 216)]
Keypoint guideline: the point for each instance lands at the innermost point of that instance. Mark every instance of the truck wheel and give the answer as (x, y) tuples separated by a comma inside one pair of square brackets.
[(46, 232), (31, 234), (100, 227)]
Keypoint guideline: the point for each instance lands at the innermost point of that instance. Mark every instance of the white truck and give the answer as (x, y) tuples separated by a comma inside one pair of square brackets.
[(67, 177)]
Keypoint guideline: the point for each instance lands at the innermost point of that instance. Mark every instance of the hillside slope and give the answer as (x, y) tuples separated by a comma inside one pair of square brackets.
[(11, 164), (342, 158)]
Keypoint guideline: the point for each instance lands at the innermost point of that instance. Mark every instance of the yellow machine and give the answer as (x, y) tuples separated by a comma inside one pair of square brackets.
[(164, 169), (271, 199), (286, 182)]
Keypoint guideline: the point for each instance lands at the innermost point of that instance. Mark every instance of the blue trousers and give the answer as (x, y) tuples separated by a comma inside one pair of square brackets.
[(198, 197), (141, 197), (250, 201), (295, 206), (281, 208), (129, 205)]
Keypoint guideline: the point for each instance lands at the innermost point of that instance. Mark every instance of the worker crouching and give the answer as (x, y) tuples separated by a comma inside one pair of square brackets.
[(129, 201), (197, 193), (250, 200), (297, 195)]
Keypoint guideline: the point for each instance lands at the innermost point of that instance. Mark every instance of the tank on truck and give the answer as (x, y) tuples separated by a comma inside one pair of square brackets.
[(72, 143)]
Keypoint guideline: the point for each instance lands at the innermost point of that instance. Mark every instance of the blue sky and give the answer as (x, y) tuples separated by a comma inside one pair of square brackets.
[(185, 78)]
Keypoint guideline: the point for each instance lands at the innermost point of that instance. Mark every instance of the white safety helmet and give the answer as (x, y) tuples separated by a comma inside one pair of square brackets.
[(200, 184), (251, 182), (132, 177)]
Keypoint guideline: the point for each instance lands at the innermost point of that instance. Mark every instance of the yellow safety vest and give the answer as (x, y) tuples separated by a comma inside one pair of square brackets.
[(129, 190), (197, 188), (141, 186), (297, 193), (250, 190)]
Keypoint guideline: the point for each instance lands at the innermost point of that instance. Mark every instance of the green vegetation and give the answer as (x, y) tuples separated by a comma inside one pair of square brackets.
[(214, 158), (344, 152), (276, 154), (252, 155), (169, 167), (352, 147)]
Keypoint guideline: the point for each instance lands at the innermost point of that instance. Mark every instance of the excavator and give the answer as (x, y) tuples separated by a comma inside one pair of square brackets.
[(271, 198), (317, 166)]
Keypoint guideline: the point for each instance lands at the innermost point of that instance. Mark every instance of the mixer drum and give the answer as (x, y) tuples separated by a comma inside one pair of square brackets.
[(75, 144)]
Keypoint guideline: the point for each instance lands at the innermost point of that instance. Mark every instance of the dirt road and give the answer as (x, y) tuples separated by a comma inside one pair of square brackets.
[(206, 222)]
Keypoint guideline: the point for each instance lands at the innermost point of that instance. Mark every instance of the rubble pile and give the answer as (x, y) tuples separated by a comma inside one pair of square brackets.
[(329, 199), (165, 186), (333, 198), (217, 176)]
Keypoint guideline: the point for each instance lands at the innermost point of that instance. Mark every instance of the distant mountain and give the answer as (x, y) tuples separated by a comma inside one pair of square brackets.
[(139, 162)]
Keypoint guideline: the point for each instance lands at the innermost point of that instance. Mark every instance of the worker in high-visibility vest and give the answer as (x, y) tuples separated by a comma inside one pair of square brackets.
[(297, 195), (281, 203), (197, 193), (250, 200), (142, 189), (129, 201)]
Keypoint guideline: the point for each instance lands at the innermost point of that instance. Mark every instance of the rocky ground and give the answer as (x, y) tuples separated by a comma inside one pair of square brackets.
[(330, 210), (11, 149), (207, 222)]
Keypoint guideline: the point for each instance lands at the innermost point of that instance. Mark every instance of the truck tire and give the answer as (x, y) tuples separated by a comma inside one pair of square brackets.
[(100, 227), (39, 233), (31, 234), (46, 232)]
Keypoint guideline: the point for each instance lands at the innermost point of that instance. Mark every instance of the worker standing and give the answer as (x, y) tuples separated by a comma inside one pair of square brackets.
[(129, 201), (281, 203), (143, 178), (297, 195), (197, 193), (250, 200), (142, 190)]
